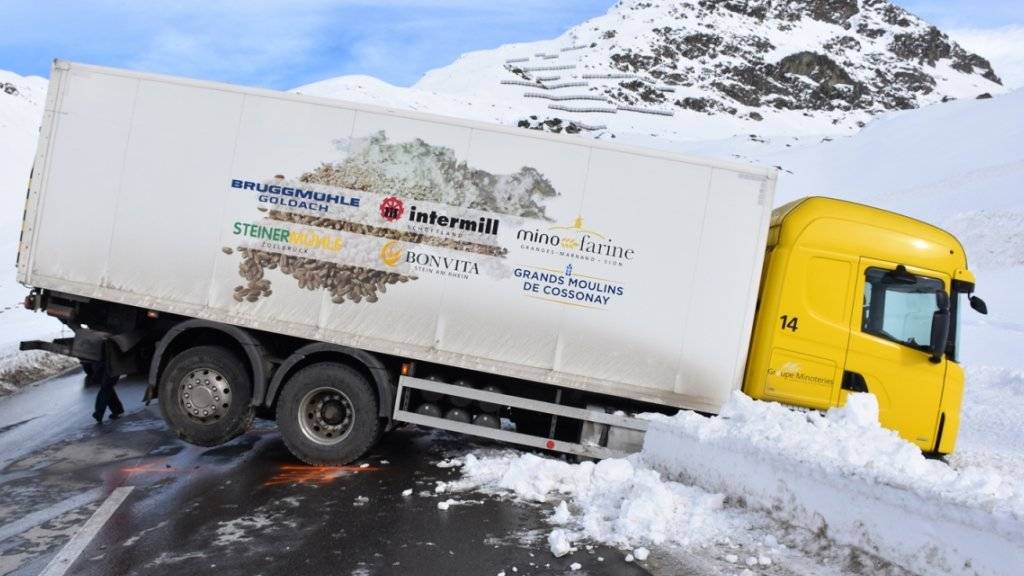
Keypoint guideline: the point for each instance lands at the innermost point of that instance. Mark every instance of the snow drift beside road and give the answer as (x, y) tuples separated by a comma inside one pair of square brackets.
[(839, 475), (844, 475), (847, 441)]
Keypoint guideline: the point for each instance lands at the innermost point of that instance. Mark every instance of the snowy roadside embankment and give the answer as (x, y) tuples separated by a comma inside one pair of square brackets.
[(764, 485), (845, 475), (18, 370)]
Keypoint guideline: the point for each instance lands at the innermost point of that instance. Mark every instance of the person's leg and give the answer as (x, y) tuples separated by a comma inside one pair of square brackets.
[(116, 408), (102, 400)]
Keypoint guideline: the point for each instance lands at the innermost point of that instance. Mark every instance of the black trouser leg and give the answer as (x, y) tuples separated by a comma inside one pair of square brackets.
[(106, 397), (116, 408), (102, 401)]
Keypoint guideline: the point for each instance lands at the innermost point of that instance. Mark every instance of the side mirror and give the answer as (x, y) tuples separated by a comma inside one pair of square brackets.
[(940, 327), (979, 305)]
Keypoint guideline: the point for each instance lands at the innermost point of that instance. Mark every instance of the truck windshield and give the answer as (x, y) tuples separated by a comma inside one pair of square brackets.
[(900, 311)]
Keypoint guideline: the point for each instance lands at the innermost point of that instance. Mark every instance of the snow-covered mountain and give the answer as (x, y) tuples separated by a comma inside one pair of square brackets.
[(704, 69)]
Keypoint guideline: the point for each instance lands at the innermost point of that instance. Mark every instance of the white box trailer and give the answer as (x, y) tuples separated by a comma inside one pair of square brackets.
[(556, 260)]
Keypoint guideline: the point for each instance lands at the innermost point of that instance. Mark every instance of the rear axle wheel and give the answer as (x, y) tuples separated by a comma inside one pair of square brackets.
[(328, 414)]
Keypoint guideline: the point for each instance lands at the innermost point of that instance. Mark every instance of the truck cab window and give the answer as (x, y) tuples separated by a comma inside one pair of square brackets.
[(899, 310)]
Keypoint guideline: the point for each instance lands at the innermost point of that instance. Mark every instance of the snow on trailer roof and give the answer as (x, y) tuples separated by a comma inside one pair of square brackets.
[(744, 168)]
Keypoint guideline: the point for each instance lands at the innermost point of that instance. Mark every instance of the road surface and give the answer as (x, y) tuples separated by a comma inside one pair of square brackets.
[(246, 508)]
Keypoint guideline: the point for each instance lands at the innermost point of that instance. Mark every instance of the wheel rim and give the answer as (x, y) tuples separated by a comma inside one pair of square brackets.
[(204, 395), (326, 416)]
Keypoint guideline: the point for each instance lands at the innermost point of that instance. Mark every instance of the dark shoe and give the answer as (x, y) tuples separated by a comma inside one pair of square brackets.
[(98, 417), (116, 415)]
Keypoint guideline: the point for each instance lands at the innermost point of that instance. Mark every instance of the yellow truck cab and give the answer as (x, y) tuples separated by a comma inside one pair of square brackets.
[(858, 299)]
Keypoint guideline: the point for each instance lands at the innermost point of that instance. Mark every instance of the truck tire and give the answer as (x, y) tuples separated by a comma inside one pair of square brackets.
[(205, 395), (327, 414)]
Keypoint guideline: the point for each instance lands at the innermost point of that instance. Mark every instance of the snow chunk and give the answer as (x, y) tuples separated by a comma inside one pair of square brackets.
[(860, 411), (560, 542), (641, 553), (561, 515)]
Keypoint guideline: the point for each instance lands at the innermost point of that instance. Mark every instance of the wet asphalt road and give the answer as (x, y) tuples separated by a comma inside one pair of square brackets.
[(247, 507)]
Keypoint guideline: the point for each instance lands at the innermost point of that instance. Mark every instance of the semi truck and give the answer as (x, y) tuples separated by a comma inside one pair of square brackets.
[(344, 268)]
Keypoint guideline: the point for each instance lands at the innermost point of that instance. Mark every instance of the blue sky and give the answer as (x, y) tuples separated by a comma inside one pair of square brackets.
[(283, 44)]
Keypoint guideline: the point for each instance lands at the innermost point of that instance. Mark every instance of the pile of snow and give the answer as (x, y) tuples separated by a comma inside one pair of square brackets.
[(702, 483), (843, 474), (19, 370), (847, 441), (619, 502)]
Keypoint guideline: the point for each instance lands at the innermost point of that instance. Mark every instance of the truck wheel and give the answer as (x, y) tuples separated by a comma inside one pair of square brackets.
[(327, 414), (205, 395)]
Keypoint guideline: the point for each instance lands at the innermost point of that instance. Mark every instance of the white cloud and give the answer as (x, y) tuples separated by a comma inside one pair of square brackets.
[(1004, 47)]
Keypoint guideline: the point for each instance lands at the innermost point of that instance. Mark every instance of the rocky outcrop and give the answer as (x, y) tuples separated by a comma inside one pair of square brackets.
[(880, 57), (826, 64)]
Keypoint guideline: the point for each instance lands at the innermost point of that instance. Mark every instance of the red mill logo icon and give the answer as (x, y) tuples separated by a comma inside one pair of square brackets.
[(392, 208)]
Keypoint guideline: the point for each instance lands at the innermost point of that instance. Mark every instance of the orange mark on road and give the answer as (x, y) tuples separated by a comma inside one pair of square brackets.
[(154, 467), (300, 474)]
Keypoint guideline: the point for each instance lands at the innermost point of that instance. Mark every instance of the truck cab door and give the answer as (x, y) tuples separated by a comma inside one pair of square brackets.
[(888, 352)]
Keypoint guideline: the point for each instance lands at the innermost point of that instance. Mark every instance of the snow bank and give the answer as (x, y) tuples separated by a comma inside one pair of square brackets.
[(845, 475), (618, 502), (991, 426), (19, 370)]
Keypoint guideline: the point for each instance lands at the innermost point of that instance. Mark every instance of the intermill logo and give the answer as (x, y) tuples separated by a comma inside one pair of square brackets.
[(392, 208)]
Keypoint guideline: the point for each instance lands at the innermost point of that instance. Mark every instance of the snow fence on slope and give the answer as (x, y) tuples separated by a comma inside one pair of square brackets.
[(844, 475)]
